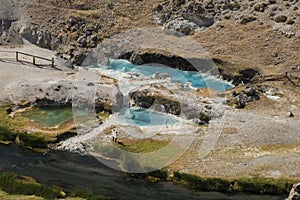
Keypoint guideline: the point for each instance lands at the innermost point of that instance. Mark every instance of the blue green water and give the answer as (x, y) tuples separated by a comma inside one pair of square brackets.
[(196, 79), (144, 117), (49, 116)]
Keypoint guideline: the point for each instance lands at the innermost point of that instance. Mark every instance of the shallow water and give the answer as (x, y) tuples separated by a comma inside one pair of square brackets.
[(49, 116), (144, 117), (71, 171)]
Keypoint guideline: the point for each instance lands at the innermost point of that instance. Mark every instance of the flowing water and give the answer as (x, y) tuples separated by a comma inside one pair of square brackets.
[(73, 171), (196, 79)]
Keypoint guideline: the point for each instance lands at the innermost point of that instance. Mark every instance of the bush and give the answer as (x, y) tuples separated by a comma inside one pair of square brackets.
[(86, 195), (207, 184), (13, 184), (6, 134), (33, 140), (264, 185), (258, 185)]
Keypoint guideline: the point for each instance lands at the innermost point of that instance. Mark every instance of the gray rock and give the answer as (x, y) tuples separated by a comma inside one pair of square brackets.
[(80, 57), (251, 91), (280, 19), (201, 21), (182, 25), (241, 100), (295, 192), (247, 19), (82, 41), (260, 7), (186, 17), (198, 121), (160, 75), (73, 21)]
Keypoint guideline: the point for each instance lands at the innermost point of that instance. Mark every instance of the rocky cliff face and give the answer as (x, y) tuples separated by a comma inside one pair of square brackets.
[(12, 14), (189, 17)]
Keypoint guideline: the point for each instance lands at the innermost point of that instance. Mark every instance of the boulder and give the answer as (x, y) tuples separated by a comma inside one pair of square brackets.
[(290, 114), (187, 17), (72, 21), (242, 99), (250, 91), (182, 25), (82, 41), (295, 192), (142, 98), (247, 19), (280, 18)]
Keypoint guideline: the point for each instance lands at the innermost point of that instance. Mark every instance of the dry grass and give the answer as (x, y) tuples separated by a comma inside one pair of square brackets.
[(5, 196)]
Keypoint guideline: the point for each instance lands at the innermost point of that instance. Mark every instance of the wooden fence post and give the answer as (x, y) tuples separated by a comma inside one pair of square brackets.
[(17, 56), (52, 62)]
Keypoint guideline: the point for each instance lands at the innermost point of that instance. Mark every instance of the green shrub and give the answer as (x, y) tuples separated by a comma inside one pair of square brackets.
[(258, 185), (6, 134), (34, 141), (207, 184), (87, 195), (264, 185), (13, 184)]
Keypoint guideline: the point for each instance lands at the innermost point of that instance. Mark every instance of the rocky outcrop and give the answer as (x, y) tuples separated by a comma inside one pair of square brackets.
[(104, 94), (186, 104), (75, 40), (9, 32), (146, 56), (189, 16), (185, 17), (295, 192), (36, 36), (245, 76), (243, 98), (147, 99), (182, 25)]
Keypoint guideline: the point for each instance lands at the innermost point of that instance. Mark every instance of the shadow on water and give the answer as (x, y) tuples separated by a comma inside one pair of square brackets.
[(72, 171)]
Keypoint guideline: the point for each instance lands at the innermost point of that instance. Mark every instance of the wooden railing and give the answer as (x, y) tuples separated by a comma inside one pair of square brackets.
[(26, 57)]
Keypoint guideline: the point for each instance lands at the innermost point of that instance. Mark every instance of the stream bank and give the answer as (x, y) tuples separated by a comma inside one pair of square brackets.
[(76, 172)]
